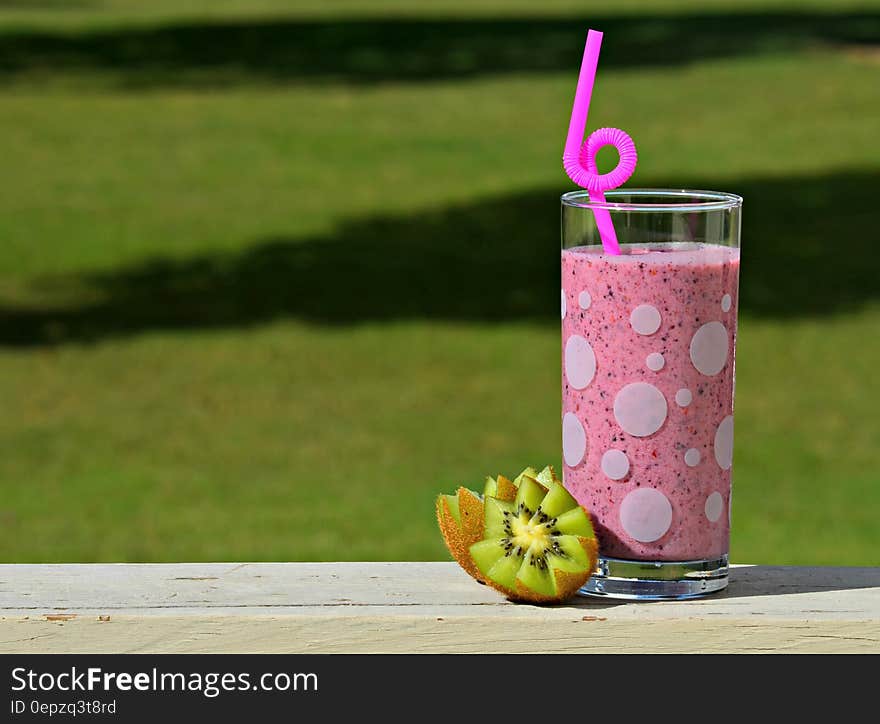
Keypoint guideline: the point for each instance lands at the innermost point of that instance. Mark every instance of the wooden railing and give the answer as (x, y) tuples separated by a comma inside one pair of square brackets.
[(414, 607)]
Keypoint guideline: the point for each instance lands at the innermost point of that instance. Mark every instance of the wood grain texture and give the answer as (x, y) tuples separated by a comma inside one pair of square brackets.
[(414, 607)]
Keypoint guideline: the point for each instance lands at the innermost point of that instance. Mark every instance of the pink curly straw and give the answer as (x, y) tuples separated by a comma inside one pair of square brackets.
[(579, 160)]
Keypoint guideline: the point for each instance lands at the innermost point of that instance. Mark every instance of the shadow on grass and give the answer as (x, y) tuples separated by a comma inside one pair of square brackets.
[(45, 4), (396, 49), (809, 249)]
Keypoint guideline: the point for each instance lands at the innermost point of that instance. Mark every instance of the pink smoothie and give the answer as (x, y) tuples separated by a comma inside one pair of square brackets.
[(648, 343)]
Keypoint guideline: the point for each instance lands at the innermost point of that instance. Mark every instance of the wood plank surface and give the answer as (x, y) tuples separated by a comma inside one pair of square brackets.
[(414, 607)]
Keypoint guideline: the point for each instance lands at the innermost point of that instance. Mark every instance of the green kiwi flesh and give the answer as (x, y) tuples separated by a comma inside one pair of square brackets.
[(452, 501), (527, 473)]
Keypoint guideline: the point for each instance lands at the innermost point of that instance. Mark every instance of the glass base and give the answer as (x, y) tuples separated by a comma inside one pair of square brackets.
[(656, 580)]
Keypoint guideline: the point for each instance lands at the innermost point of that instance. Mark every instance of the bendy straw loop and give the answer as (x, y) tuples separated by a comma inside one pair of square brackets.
[(579, 159)]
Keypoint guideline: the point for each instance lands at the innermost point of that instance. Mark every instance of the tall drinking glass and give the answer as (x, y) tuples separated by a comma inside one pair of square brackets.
[(648, 341)]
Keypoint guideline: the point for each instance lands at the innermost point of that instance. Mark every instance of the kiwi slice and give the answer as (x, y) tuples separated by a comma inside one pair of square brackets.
[(540, 547), (529, 472), (460, 518)]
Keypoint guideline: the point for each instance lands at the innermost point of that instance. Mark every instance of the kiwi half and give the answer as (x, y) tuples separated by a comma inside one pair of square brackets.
[(527, 538)]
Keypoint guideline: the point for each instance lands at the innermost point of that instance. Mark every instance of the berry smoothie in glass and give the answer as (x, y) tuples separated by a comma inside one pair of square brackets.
[(648, 342)]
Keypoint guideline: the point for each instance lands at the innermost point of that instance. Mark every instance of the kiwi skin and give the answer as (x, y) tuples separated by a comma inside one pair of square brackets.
[(506, 489), (461, 535)]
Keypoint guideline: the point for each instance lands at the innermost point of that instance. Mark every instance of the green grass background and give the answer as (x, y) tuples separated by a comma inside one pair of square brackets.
[(273, 274)]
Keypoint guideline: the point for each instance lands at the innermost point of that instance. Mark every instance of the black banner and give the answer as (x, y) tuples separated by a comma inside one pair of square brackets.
[(145, 687)]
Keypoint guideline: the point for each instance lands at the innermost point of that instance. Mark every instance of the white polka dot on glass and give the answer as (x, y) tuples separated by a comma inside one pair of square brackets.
[(724, 443), (646, 515), (615, 464), (709, 348), (683, 397), (645, 319), (580, 362), (655, 361), (714, 506), (574, 440), (692, 457), (640, 409), (725, 303), (584, 300)]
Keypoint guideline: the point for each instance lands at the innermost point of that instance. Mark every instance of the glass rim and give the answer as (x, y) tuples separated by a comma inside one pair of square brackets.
[(687, 200)]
